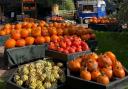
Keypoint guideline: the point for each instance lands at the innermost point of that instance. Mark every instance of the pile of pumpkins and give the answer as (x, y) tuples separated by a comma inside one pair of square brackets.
[(103, 20), (99, 68), (28, 33)]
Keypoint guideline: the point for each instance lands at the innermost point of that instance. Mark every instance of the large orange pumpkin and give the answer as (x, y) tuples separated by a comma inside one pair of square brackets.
[(2, 33), (20, 43), (29, 40), (10, 43), (24, 33), (36, 32), (39, 40)]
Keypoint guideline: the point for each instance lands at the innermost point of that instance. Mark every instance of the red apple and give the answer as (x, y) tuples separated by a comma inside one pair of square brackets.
[(71, 50), (85, 47), (78, 49), (60, 49), (66, 51), (63, 44)]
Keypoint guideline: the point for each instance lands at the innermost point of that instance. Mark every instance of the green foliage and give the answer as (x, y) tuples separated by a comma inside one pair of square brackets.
[(69, 5)]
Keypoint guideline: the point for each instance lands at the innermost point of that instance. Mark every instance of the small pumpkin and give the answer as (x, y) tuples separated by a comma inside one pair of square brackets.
[(111, 56), (91, 64), (103, 79), (20, 43), (36, 32), (107, 72), (74, 65), (29, 40), (39, 40), (86, 75), (7, 26), (18, 26), (95, 74), (2, 33), (119, 72), (47, 39), (16, 35), (93, 56), (54, 38), (10, 43), (104, 61), (24, 33)]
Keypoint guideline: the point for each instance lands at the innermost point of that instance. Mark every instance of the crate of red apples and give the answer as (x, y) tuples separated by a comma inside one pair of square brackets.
[(96, 72), (69, 47)]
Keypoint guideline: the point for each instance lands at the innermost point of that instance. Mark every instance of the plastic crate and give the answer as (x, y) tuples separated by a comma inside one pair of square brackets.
[(75, 82), (63, 56)]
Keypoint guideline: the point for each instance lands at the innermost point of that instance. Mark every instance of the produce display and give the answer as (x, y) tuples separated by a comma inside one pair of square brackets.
[(29, 8), (102, 68), (42, 74), (28, 33), (69, 44), (57, 18), (28, 0), (103, 20)]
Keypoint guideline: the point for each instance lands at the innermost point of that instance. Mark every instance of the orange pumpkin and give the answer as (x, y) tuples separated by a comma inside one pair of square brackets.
[(36, 32), (7, 31), (18, 26), (54, 38), (7, 26), (2, 33), (103, 79), (107, 72), (47, 39), (15, 35), (20, 43), (104, 61), (29, 40), (93, 56), (10, 43), (111, 56), (60, 32), (29, 25), (12, 26), (84, 74), (74, 65), (119, 72), (39, 40), (24, 33), (95, 74), (52, 31), (91, 64), (44, 32)]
